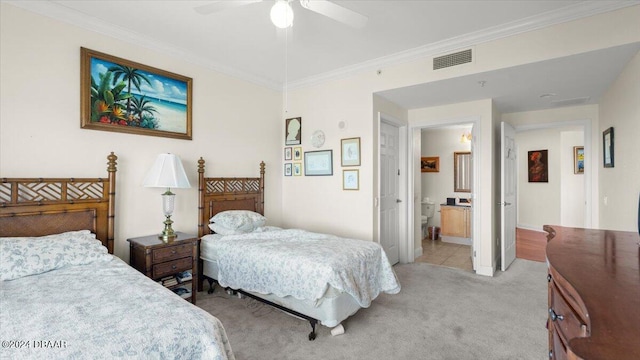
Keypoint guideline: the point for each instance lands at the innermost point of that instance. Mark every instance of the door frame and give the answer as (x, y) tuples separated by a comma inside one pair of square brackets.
[(414, 148), (405, 251)]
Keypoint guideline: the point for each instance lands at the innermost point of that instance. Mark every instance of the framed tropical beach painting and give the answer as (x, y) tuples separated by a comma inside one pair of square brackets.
[(124, 96)]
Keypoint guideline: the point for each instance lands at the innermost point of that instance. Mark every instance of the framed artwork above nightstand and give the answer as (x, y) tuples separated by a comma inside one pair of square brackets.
[(172, 264)]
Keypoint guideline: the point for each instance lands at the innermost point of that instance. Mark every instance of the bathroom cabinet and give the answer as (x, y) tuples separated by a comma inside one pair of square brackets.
[(455, 221)]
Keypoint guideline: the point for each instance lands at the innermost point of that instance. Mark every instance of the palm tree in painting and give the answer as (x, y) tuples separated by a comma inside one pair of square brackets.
[(143, 109), (131, 76), (106, 102)]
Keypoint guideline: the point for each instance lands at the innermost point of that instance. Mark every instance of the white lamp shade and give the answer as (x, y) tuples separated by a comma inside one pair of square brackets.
[(282, 14), (167, 172)]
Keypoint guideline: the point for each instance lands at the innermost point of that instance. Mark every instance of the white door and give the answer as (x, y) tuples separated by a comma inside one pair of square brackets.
[(508, 173), (389, 191)]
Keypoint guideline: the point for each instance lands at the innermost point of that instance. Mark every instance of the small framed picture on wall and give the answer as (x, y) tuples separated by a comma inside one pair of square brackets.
[(578, 159), (607, 148), (350, 179), (288, 153), (293, 131), (538, 162)]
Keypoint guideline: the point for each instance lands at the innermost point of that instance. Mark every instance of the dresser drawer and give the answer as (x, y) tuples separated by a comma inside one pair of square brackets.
[(564, 319), (172, 252), (172, 267), (559, 351)]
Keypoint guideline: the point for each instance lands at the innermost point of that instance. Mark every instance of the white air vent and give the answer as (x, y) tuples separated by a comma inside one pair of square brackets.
[(459, 58), (571, 102)]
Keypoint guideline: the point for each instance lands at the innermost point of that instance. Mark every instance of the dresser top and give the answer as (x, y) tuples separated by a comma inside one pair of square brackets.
[(604, 268)]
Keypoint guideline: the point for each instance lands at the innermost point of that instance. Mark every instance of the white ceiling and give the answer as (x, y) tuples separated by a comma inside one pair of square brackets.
[(572, 80), (243, 42)]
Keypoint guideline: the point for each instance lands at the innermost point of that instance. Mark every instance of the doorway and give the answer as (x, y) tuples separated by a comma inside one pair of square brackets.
[(444, 206)]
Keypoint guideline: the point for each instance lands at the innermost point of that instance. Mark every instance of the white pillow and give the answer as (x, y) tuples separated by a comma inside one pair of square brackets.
[(24, 256), (219, 229), (241, 220)]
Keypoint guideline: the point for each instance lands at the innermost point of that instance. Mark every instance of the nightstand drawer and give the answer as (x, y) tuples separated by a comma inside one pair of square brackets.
[(172, 252), (172, 267)]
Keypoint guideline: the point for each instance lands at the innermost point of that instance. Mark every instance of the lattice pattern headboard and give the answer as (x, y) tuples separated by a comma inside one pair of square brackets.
[(231, 193), (44, 206)]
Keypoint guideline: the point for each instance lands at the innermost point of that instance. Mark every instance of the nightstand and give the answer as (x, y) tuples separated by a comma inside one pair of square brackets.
[(162, 261)]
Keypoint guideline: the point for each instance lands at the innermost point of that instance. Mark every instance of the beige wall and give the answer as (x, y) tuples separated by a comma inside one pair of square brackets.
[(620, 185), (235, 124)]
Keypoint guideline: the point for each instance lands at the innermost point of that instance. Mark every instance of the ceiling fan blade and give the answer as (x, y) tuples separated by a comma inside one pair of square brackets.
[(336, 12), (216, 6)]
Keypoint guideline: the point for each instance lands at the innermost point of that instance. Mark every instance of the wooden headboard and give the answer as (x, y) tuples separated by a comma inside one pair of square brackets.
[(45, 206), (231, 193)]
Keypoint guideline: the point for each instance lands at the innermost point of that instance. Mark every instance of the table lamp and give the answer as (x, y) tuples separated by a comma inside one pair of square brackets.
[(167, 172)]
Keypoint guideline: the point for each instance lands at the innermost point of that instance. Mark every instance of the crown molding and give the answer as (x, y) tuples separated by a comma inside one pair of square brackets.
[(569, 13), (70, 16), (573, 12)]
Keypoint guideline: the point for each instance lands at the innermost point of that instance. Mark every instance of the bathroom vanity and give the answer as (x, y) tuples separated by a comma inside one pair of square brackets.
[(455, 223)]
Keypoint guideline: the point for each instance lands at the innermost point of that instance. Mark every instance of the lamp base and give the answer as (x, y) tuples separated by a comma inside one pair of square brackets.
[(168, 235)]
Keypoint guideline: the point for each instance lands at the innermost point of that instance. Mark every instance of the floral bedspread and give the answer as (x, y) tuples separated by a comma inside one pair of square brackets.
[(303, 264), (103, 310)]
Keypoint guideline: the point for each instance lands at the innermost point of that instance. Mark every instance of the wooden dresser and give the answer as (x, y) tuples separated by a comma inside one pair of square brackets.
[(594, 294)]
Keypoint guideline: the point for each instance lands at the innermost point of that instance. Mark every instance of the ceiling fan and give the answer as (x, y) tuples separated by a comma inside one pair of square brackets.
[(282, 13)]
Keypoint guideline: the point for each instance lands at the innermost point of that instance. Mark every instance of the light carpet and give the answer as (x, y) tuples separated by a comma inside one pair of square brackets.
[(441, 313)]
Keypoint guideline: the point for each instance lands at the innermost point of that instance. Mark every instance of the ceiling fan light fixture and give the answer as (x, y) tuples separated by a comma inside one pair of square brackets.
[(282, 14)]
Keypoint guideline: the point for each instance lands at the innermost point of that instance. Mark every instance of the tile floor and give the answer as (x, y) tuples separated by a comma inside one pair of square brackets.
[(442, 253)]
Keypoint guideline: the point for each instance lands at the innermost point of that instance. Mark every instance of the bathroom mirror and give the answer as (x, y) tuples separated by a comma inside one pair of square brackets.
[(462, 171)]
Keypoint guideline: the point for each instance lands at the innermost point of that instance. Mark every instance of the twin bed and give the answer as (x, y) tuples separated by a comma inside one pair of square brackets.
[(318, 277), (63, 295)]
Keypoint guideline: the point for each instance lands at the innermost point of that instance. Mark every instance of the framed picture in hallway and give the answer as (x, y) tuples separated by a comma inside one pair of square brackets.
[(578, 159), (430, 164), (538, 162), (124, 96)]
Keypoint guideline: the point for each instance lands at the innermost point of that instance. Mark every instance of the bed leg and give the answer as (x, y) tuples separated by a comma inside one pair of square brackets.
[(200, 282), (312, 334), (212, 286), (338, 330)]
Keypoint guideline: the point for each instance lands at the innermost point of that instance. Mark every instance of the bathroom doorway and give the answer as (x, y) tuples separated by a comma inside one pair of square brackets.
[(446, 196)]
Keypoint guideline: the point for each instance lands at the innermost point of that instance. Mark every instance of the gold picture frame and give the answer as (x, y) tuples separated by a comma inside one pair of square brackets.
[(351, 179), (578, 159), (430, 164), (124, 96), (350, 152)]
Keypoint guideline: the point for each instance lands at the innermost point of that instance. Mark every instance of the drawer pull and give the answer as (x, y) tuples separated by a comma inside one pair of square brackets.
[(555, 316), (548, 277), (173, 252), (173, 267)]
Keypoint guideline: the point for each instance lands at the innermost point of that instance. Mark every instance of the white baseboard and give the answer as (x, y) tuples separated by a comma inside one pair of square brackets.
[(530, 227), (417, 252)]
